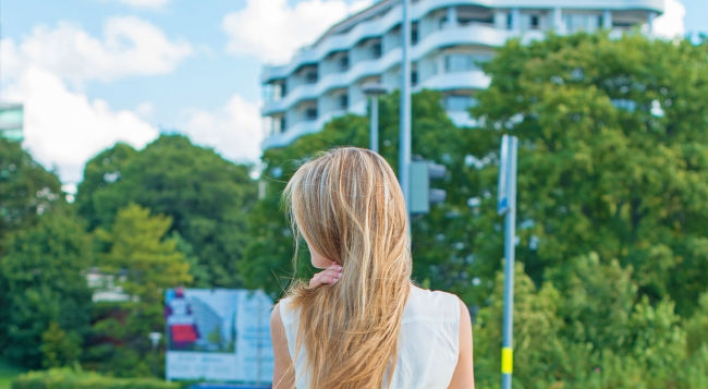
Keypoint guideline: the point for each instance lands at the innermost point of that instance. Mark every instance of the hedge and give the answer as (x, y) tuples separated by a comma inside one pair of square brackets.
[(70, 379)]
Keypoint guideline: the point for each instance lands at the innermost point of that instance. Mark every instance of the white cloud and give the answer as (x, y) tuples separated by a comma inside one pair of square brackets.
[(235, 130), (145, 110), (131, 46), (145, 3), (272, 30), (65, 129), (671, 23)]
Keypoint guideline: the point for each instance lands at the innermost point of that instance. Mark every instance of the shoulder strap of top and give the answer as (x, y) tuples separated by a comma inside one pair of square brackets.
[(290, 320)]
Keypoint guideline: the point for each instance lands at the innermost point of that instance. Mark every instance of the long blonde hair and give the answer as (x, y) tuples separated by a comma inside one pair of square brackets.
[(349, 207)]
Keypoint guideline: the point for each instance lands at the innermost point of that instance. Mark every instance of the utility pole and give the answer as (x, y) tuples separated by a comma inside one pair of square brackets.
[(374, 90), (405, 113)]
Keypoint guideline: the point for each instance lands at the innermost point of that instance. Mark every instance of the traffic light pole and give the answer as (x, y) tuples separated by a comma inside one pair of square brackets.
[(405, 113), (374, 141)]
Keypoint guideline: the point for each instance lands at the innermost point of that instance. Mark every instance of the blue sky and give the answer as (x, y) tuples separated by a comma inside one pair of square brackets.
[(92, 72), (204, 80)]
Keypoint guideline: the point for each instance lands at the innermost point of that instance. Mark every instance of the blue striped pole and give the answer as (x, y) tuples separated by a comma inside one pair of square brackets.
[(507, 362)]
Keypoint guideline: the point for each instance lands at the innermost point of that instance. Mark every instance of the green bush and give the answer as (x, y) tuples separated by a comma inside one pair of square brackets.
[(70, 379)]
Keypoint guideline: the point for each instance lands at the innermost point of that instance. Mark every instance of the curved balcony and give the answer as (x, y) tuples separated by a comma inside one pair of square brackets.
[(375, 28), (378, 27), (302, 92), (368, 29), (460, 118), (649, 5), (294, 132), (302, 128), (472, 34), (334, 81), (474, 79), (479, 34)]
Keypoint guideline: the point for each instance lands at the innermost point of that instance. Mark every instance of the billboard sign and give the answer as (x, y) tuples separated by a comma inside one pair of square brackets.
[(218, 335)]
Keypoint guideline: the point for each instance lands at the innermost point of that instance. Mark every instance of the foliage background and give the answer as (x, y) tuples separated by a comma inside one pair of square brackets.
[(612, 249)]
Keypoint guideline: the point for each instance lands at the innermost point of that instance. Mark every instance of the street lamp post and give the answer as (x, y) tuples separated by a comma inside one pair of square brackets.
[(374, 90), (155, 340), (405, 116)]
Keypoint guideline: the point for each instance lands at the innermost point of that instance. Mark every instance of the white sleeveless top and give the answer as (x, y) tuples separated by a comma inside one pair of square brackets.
[(428, 342)]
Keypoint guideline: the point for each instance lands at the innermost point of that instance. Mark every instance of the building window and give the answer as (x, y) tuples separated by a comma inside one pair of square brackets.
[(278, 125), (469, 14), (414, 33), (344, 62), (622, 24), (535, 22), (443, 22), (311, 113), (275, 125), (581, 22), (376, 50), (343, 101), (455, 63), (311, 77), (414, 77), (274, 91), (510, 21)]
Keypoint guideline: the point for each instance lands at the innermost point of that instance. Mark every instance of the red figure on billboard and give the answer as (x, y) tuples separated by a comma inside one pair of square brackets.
[(181, 323)]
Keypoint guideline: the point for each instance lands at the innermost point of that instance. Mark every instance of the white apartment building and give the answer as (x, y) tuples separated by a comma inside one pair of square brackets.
[(450, 38)]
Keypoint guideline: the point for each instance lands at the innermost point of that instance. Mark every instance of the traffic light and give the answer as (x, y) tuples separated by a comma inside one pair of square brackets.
[(421, 195)]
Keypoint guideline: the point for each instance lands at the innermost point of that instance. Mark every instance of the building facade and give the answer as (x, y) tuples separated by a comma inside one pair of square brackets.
[(12, 121), (449, 41)]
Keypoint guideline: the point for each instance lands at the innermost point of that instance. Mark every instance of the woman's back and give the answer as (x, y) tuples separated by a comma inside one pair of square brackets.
[(365, 324), (428, 341)]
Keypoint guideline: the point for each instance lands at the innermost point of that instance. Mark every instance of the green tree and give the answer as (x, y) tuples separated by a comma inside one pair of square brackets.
[(59, 348), (539, 352), (598, 301), (613, 157), (95, 192), (590, 329), (26, 189), (145, 264), (696, 327), (197, 270), (43, 271), (206, 196)]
